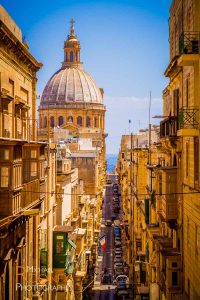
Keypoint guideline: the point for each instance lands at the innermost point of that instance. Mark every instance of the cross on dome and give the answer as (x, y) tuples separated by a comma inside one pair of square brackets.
[(72, 22)]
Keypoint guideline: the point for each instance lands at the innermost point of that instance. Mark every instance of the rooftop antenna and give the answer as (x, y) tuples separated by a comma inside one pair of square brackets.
[(150, 128), (129, 126)]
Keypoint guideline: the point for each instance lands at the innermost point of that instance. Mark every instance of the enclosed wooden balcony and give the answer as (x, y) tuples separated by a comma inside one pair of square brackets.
[(168, 127), (169, 197), (31, 192)]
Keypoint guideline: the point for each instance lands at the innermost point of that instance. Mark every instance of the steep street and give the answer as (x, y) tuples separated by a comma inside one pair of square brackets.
[(102, 291)]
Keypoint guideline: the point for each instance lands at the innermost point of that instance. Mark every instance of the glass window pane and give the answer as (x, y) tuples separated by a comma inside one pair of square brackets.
[(4, 176), (33, 169)]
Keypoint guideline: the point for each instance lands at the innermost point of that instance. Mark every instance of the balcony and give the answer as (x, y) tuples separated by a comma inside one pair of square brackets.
[(169, 197), (188, 120), (189, 48), (30, 192), (189, 42), (168, 127)]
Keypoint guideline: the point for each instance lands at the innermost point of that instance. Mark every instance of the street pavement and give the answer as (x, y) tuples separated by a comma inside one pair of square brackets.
[(105, 259)]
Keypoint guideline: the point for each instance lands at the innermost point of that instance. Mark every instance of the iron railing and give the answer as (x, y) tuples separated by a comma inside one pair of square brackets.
[(168, 127), (188, 118), (189, 42)]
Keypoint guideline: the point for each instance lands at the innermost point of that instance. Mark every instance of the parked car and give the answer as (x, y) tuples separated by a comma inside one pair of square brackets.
[(116, 209), (118, 246), (118, 243), (122, 282), (113, 217), (117, 260), (108, 223), (106, 278)]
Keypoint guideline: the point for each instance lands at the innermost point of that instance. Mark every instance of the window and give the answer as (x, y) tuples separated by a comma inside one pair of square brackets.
[(197, 239), (52, 121), (70, 119), (196, 160), (95, 122), (160, 184), (71, 56), (187, 94), (87, 121), (174, 278), (11, 87), (17, 111), (176, 101), (33, 169), (33, 153), (79, 121), (5, 107), (174, 265), (187, 159), (66, 56), (45, 122), (4, 176), (188, 232), (60, 120), (24, 94), (4, 154)]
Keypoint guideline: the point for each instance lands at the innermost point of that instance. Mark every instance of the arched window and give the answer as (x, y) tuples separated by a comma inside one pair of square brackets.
[(88, 122), (52, 121), (95, 122), (60, 120), (79, 121), (71, 56), (66, 56), (45, 122), (70, 119)]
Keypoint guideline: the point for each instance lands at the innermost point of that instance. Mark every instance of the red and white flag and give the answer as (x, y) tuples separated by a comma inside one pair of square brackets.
[(103, 242)]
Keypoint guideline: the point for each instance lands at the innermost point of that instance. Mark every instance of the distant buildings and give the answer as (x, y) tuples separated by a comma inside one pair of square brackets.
[(71, 115), (51, 173), (160, 183)]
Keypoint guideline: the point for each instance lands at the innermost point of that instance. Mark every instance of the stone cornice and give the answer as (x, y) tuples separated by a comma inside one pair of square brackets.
[(18, 48)]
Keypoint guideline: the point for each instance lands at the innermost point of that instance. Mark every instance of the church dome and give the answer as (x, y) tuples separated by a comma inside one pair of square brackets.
[(71, 84)]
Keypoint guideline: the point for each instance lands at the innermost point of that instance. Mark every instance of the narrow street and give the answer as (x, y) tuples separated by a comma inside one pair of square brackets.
[(110, 261), (101, 291)]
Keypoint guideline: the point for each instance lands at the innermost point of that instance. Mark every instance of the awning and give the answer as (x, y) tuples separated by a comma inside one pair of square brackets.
[(71, 243)]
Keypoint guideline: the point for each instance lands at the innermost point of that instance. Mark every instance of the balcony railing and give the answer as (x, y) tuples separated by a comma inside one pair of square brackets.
[(168, 127), (188, 118), (189, 42)]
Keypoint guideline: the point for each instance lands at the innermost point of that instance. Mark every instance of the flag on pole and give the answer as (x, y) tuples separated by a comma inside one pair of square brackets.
[(103, 242)]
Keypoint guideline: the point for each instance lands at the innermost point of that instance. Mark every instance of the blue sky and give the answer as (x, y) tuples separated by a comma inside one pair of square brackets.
[(124, 47)]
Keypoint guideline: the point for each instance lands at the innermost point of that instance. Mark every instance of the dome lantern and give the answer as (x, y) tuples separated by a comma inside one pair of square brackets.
[(71, 48)]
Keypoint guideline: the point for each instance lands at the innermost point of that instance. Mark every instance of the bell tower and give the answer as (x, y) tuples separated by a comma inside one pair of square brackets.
[(71, 48)]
